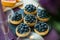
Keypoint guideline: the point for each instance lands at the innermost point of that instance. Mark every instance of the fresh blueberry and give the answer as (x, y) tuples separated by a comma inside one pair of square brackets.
[(22, 31), (27, 6)]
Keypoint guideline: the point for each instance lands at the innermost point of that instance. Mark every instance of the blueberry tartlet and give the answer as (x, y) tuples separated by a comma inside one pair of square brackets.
[(30, 20), (42, 15), (41, 28), (23, 30), (15, 18), (30, 9)]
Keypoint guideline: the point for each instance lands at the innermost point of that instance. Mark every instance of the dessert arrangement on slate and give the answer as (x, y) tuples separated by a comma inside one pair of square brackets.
[(31, 22)]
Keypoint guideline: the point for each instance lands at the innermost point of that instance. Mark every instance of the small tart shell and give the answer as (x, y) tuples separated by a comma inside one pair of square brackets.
[(15, 22), (43, 19), (22, 35), (42, 33), (30, 24), (33, 13)]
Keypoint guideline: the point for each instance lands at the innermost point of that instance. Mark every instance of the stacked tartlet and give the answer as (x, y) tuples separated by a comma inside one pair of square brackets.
[(15, 18), (41, 28), (33, 18), (30, 20), (30, 9), (23, 30), (42, 15)]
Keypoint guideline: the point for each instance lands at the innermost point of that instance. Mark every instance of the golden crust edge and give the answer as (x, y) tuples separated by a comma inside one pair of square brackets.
[(30, 24), (42, 33), (43, 19), (15, 22), (35, 12)]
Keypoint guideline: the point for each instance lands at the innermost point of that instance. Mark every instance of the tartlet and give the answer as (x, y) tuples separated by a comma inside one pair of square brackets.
[(23, 30), (30, 9), (30, 20), (41, 28), (42, 15), (15, 18)]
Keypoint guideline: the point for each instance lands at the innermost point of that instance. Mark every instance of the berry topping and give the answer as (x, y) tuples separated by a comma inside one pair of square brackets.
[(41, 27), (23, 28), (30, 8), (17, 16), (42, 13), (30, 18)]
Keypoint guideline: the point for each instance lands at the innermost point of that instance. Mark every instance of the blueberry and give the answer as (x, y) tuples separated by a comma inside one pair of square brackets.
[(13, 18), (21, 24), (18, 30), (27, 6), (25, 30), (39, 11), (34, 8), (45, 26), (30, 9), (42, 30), (24, 25), (32, 19), (39, 29), (22, 32), (31, 6), (26, 17), (37, 26)]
